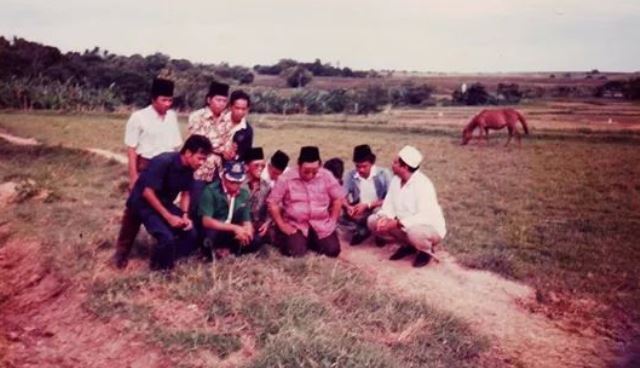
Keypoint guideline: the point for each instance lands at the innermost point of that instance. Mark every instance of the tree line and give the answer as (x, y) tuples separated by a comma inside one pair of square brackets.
[(36, 76)]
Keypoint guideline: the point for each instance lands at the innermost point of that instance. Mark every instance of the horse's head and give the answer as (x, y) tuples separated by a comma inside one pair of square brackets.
[(466, 135)]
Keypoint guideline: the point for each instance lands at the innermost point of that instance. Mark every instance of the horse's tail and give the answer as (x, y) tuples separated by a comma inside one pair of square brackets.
[(523, 121)]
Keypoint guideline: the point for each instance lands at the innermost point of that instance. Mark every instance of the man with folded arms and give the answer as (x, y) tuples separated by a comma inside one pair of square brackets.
[(410, 213), (305, 204)]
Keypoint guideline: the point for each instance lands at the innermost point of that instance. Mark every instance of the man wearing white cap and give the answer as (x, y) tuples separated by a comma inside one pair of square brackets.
[(410, 213)]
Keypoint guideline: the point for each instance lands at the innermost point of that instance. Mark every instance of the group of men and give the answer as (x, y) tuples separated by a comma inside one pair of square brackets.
[(219, 195)]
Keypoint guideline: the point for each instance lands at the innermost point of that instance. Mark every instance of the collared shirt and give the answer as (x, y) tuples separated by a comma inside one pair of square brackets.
[(242, 134), (166, 175), (367, 186), (219, 133), (152, 134), (215, 203), (381, 178), (307, 203), (265, 175), (415, 203), (258, 202)]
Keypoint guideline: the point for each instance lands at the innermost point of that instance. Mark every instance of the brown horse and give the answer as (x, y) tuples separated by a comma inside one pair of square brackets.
[(495, 119)]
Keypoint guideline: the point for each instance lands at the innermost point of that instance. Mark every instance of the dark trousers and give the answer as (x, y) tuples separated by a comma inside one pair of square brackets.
[(225, 239), (355, 225), (296, 245), (130, 221), (194, 195), (172, 243)]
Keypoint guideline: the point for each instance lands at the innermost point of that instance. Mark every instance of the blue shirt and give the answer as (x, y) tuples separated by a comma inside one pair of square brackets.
[(166, 175)]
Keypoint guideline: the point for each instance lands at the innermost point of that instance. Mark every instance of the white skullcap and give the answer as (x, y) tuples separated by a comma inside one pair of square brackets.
[(411, 156)]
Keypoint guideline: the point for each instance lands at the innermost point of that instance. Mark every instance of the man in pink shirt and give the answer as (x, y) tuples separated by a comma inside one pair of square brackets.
[(305, 204)]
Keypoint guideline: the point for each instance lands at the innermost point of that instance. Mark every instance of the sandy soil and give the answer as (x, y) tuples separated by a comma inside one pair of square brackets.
[(491, 305)]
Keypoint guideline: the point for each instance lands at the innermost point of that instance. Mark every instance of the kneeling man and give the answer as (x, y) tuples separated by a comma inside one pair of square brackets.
[(305, 204), (152, 200), (226, 216), (410, 213)]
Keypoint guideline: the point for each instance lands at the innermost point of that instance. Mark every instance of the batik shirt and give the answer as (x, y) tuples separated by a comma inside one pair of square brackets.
[(219, 133), (258, 203)]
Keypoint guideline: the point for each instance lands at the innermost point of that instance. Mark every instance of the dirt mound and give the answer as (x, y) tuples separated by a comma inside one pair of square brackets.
[(43, 323), (489, 303)]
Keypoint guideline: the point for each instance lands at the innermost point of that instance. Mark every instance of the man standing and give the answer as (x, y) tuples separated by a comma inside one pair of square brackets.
[(277, 166), (410, 213), (208, 122), (241, 131), (152, 200), (305, 204), (225, 212), (366, 187), (149, 132), (258, 192)]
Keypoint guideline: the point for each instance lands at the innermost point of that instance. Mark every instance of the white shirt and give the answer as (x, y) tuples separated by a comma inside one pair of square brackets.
[(151, 134), (265, 175), (415, 203), (367, 187), (236, 126)]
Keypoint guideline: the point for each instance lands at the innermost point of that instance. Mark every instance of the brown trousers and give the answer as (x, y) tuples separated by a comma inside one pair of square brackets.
[(130, 222), (297, 245)]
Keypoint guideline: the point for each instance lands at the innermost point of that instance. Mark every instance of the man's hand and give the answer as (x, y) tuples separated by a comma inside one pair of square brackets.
[(243, 235), (176, 221), (132, 182), (386, 224), (262, 230), (188, 223), (287, 228), (359, 209), (230, 153)]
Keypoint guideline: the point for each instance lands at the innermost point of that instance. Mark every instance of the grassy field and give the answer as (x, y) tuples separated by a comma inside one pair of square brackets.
[(560, 213), (281, 312)]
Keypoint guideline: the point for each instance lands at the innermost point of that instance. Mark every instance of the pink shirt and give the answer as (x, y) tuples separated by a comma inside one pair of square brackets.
[(307, 203)]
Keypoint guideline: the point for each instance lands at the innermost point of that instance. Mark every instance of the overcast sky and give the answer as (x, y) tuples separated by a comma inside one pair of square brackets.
[(422, 35)]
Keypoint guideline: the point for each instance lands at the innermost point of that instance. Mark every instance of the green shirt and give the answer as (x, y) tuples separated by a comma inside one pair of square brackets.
[(215, 204)]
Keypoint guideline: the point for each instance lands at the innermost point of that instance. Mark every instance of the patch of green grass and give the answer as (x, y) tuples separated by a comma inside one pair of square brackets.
[(221, 344)]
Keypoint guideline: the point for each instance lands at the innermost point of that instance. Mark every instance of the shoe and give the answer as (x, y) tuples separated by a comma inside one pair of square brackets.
[(422, 259), (207, 251), (402, 252), (358, 238), (120, 260)]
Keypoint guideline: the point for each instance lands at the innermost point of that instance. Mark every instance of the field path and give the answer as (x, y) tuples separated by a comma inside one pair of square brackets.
[(488, 302), (33, 142)]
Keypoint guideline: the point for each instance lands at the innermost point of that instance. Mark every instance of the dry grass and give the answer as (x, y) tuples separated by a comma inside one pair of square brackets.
[(254, 312)]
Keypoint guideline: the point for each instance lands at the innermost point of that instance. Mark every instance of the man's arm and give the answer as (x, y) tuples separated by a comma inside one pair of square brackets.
[(336, 207), (276, 215), (185, 201), (132, 165), (150, 196)]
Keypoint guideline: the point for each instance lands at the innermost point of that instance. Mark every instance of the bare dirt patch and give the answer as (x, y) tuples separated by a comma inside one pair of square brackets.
[(44, 325), (491, 304)]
